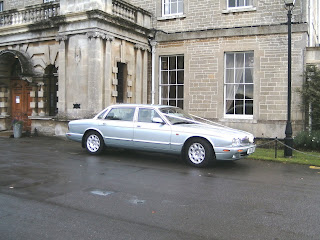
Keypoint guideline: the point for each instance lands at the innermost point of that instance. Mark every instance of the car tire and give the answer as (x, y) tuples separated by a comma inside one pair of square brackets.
[(94, 143), (199, 152)]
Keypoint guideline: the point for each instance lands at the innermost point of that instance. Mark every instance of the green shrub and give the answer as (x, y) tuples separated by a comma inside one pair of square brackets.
[(308, 140), (310, 93)]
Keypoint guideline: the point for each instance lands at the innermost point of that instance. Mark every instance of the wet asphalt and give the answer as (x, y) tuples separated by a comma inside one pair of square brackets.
[(50, 188)]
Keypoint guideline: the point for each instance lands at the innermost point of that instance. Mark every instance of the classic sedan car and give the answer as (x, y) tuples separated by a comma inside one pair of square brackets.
[(161, 129)]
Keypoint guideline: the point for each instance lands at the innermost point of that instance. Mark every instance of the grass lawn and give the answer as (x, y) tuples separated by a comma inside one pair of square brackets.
[(307, 157)]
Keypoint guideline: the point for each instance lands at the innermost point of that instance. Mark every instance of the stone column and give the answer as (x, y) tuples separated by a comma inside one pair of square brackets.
[(95, 71), (145, 76), (107, 72), (139, 75), (141, 81), (153, 80), (62, 73)]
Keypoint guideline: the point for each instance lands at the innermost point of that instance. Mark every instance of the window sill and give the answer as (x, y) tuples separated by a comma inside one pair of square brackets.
[(239, 9), (163, 18), (238, 119), (46, 118)]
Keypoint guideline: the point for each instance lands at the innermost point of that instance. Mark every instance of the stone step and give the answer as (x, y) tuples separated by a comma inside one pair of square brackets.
[(6, 133)]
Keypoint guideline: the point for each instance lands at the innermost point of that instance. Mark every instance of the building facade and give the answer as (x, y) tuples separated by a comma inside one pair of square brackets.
[(225, 60)]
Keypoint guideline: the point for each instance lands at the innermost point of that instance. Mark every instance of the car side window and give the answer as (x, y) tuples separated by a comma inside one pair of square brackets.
[(122, 114), (146, 115)]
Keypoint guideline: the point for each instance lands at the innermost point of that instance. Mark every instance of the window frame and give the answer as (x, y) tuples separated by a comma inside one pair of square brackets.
[(244, 83), (246, 5), (170, 3), (179, 101)]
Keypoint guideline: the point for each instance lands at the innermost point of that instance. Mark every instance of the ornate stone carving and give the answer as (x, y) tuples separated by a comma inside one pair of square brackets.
[(96, 34), (60, 38), (141, 47)]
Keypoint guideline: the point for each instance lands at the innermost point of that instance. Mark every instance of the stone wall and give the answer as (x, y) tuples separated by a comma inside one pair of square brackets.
[(213, 14), (17, 4), (204, 78)]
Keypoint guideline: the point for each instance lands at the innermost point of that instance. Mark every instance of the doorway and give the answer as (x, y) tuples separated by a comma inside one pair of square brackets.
[(122, 82), (20, 102)]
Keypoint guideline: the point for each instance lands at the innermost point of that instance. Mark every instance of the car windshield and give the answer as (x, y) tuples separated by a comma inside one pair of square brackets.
[(176, 115)]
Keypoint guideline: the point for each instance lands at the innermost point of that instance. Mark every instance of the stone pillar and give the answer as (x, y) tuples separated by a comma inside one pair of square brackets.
[(138, 79), (95, 71), (62, 73), (145, 77), (107, 72), (153, 80), (4, 101), (141, 80)]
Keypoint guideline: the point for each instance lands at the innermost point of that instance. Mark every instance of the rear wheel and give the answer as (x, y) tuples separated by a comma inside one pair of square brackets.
[(199, 153), (94, 143)]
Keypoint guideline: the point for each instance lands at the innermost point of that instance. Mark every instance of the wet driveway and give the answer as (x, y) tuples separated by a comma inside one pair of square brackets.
[(52, 189)]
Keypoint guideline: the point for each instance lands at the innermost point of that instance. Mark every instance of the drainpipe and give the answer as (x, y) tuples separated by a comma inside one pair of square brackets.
[(153, 44)]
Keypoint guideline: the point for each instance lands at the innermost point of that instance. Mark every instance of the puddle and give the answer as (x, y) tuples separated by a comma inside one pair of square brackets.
[(101, 193), (137, 201)]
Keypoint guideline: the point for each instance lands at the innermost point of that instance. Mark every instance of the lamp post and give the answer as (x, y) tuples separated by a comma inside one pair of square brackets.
[(289, 5)]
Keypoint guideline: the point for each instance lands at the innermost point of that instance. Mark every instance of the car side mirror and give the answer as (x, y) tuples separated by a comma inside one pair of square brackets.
[(157, 120)]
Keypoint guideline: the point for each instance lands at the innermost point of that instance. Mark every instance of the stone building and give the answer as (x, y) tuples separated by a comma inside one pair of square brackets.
[(225, 60)]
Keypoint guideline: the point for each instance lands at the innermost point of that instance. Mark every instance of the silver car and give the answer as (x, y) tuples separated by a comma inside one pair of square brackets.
[(161, 129)]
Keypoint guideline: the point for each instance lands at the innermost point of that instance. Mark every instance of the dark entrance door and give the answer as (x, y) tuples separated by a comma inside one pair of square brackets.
[(20, 102), (122, 82)]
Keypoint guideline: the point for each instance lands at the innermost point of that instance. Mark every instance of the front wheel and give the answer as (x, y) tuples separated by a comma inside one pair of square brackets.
[(199, 153), (94, 143)]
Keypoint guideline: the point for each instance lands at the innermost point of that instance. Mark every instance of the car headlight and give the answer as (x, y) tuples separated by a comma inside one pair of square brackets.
[(236, 142)]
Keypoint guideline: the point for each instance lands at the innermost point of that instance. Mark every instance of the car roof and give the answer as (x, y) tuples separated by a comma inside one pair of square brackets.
[(140, 105)]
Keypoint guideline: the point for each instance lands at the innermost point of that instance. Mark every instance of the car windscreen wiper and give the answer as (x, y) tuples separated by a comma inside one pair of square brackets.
[(183, 123)]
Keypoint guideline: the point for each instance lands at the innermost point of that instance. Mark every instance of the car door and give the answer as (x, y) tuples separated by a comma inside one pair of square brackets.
[(150, 135), (117, 127)]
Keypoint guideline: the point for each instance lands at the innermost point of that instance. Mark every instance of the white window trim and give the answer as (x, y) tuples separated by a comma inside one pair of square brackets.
[(239, 9), (172, 15), (160, 81), (248, 8), (168, 17), (233, 116)]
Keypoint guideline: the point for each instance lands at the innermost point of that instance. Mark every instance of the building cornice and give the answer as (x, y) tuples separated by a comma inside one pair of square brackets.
[(230, 32)]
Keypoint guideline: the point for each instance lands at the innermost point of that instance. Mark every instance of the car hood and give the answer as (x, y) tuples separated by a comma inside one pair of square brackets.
[(214, 130)]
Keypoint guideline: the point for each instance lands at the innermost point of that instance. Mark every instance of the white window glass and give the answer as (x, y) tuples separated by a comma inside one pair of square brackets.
[(1, 6), (239, 83), (172, 80), (172, 7), (46, 1), (239, 3)]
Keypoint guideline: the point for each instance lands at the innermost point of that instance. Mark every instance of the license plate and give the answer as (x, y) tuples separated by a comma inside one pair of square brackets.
[(250, 150)]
